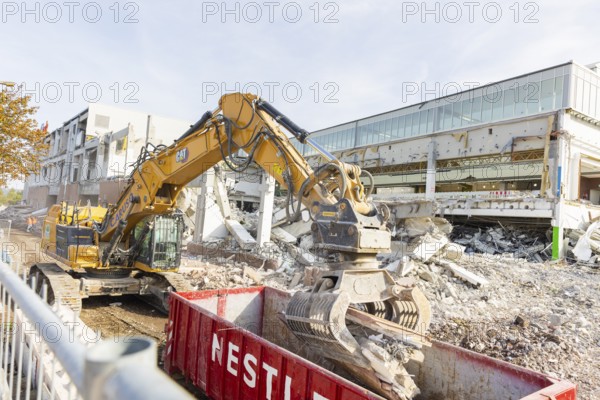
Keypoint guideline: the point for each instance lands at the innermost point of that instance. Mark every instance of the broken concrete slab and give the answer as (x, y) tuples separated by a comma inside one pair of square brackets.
[(587, 243), (463, 273), (522, 242), (298, 229), (428, 245), (304, 257), (483, 247), (402, 266), (427, 276), (295, 280), (453, 251), (283, 235), (241, 235), (252, 274), (415, 227)]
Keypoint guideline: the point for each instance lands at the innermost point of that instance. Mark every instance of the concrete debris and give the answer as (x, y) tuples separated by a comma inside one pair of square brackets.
[(416, 227), (387, 358), (241, 235), (402, 266), (253, 274), (587, 242), (527, 314), (295, 280), (282, 235), (428, 245), (298, 229), (221, 250), (531, 244), (491, 289), (427, 276), (464, 274)]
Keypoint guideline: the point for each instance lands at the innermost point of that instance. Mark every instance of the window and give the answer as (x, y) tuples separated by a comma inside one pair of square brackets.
[(466, 113), (429, 121), (446, 121), (456, 115), (423, 122), (531, 97), (408, 125), (558, 89), (509, 99), (388, 129), (401, 129), (547, 95), (497, 105)]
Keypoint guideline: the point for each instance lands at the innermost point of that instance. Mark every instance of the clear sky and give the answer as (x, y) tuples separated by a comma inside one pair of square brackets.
[(320, 62)]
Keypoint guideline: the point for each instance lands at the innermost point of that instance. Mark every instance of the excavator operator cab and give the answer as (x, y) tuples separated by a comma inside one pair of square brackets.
[(158, 239)]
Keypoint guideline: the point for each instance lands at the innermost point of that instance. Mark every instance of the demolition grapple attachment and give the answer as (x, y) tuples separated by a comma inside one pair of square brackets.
[(320, 316)]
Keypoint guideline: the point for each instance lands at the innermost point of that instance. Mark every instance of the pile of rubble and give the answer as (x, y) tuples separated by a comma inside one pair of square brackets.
[(584, 245), (18, 215), (531, 244), (537, 315), (491, 290)]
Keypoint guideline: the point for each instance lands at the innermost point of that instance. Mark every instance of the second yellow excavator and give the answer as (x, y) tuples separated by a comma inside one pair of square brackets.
[(134, 246)]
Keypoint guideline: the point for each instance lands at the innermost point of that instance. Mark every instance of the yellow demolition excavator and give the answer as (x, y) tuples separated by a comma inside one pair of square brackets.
[(134, 246)]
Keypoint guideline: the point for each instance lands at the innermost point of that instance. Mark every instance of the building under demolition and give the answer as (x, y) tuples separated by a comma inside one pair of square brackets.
[(90, 155), (526, 147)]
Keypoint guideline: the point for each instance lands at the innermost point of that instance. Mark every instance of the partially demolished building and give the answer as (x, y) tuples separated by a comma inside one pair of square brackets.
[(526, 148), (92, 153)]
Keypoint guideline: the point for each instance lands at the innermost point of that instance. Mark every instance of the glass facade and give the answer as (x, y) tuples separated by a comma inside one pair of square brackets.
[(552, 89), (585, 91)]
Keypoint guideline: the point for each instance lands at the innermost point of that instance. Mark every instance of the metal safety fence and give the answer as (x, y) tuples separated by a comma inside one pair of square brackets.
[(48, 353)]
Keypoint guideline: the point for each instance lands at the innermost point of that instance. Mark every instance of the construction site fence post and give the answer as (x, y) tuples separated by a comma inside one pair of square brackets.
[(43, 355)]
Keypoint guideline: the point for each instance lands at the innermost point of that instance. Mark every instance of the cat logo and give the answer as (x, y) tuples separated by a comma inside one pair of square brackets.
[(277, 168), (182, 155)]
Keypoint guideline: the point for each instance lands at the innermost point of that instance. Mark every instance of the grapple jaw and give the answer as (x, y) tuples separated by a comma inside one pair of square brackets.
[(319, 317)]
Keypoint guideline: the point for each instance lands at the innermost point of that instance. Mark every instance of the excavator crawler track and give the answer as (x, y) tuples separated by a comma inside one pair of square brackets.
[(62, 287), (177, 281), (159, 287)]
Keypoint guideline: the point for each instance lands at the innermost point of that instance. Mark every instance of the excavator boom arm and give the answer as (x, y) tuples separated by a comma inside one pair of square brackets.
[(242, 122)]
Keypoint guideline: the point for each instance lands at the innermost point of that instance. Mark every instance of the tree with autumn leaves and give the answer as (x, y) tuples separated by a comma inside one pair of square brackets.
[(21, 139)]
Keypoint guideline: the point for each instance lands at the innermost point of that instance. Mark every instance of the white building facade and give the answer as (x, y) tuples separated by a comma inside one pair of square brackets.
[(526, 149), (91, 154)]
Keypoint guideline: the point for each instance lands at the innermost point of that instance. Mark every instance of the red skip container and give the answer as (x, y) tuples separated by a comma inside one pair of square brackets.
[(233, 344)]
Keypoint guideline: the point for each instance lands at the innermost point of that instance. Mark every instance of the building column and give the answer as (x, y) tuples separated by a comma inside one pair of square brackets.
[(431, 168), (201, 230), (559, 244), (265, 212), (561, 188)]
